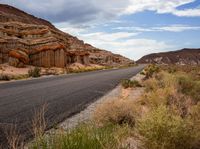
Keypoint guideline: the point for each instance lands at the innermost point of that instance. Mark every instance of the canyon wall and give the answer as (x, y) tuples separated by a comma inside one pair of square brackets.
[(28, 40)]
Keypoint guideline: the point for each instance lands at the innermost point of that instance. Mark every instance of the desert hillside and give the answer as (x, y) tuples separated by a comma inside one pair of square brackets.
[(28, 40), (181, 57)]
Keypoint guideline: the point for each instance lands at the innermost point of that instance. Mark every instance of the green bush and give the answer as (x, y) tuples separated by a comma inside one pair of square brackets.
[(126, 83), (151, 70), (163, 130), (36, 72), (83, 137), (5, 77)]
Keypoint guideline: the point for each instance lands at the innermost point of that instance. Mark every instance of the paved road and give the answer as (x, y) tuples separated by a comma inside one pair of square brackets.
[(64, 95)]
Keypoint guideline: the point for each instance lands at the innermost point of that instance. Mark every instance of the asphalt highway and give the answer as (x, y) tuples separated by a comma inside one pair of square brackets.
[(64, 96)]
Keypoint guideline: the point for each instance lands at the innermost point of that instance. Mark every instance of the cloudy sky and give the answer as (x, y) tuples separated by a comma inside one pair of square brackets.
[(132, 28)]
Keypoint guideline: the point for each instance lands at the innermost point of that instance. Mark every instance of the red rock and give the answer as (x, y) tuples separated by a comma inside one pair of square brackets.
[(37, 42)]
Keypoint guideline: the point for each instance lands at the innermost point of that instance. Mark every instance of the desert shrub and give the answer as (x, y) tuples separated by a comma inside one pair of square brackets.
[(49, 71), (150, 70), (35, 72), (172, 70), (161, 80), (126, 83), (189, 87), (163, 130), (185, 84), (158, 96), (194, 119), (195, 114), (20, 77), (80, 70), (163, 89), (195, 92), (5, 77), (152, 85), (116, 112), (85, 136)]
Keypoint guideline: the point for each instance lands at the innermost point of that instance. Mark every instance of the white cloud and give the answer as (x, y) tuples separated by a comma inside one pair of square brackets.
[(187, 12), (177, 28), (161, 7), (170, 28), (73, 11), (122, 43), (79, 11), (134, 28), (125, 44), (73, 30), (108, 37)]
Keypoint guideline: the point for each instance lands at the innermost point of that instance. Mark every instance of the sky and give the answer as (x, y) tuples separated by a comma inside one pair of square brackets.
[(132, 28)]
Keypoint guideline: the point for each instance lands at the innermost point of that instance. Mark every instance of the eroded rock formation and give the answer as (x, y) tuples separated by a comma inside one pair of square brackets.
[(27, 40)]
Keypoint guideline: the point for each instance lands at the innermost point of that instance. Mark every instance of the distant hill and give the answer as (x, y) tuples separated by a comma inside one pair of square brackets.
[(180, 57), (28, 40)]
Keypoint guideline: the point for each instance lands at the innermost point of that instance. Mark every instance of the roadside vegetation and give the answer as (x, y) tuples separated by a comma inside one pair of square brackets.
[(166, 116), (172, 101), (127, 83), (34, 72), (5, 77), (84, 136)]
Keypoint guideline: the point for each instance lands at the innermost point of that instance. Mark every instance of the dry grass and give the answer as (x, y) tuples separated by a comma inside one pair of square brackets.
[(39, 122), (5, 77), (117, 112), (14, 139)]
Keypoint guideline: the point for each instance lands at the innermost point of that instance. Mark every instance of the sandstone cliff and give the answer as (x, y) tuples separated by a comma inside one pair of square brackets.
[(181, 57), (28, 40)]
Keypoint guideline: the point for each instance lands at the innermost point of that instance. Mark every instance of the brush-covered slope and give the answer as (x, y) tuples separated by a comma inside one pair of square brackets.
[(181, 57), (28, 40)]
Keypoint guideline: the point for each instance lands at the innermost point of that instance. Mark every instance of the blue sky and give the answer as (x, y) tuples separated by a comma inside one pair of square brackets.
[(132, 28)]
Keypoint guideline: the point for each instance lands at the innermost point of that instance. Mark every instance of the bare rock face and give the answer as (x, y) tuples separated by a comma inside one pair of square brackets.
[(27, 40), (181, 57)]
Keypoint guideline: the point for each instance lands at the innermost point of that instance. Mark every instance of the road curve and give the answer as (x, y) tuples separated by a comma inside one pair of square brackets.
[(64, 95)]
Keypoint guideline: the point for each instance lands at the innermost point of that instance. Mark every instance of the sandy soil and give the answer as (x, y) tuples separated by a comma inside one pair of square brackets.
[(13, 71), (9, 70)]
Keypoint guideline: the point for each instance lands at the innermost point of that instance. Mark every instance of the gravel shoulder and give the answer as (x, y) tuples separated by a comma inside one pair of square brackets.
[(117, 93)]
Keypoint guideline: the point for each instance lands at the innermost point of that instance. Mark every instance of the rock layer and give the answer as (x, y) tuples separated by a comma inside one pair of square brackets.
[(181, 57), (27, 40)]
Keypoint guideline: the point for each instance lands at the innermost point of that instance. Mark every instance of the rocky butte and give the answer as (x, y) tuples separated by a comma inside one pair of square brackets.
[(180, 57), (28, 40)]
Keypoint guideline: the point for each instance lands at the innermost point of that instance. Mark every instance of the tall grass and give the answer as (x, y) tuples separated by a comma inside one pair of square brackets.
[(13, 138), (85, 136)]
